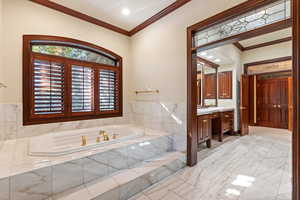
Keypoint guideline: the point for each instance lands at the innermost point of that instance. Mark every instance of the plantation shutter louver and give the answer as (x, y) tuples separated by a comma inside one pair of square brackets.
[(48, 87), (108, 90), (82, 89)]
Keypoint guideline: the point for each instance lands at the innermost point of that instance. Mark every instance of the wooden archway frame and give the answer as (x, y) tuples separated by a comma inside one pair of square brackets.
[(192, 73)]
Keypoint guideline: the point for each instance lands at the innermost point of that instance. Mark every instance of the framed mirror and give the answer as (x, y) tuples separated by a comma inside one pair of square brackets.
[(206, 83)]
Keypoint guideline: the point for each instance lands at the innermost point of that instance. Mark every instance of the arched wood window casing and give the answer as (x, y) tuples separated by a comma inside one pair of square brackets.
[(66, 80)]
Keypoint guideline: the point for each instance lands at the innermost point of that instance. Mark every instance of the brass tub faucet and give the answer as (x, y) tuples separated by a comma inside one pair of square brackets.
[(83, 141)]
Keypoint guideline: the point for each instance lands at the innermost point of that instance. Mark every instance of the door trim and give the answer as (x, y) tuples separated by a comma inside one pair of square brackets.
[(192, 81)]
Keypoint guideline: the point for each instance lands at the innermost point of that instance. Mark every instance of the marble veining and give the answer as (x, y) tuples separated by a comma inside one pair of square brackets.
[(254, 167)]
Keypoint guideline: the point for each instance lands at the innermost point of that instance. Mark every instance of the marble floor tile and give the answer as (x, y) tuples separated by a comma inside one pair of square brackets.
[(4, 189), (253, 167)]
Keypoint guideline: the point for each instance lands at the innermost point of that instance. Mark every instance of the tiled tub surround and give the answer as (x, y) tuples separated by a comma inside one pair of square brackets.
[(36, 178), (11, 123), (62, 143), (165, 116)]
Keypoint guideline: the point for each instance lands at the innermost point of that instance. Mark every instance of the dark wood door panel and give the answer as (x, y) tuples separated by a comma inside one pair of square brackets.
[(272, 102), (244, 105)]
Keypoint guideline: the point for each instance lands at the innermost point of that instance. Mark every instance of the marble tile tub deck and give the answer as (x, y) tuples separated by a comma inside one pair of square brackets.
[(25, 177), (14, 158), (254, 167)]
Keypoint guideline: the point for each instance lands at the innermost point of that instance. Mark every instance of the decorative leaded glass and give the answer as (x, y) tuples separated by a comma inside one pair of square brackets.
[(74, 53), (277, 11)]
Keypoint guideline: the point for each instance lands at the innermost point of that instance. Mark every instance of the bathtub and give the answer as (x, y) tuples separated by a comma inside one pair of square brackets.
[(66, 142)]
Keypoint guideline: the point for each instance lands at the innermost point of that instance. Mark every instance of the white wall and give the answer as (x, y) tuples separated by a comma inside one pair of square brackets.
[(159, 51), (235, 55), (1, 48), (25, 17), (268, 52)]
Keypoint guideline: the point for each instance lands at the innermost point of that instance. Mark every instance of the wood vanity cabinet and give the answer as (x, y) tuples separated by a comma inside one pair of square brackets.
[(210, 84), (204, 129), (223, 124), (225, 85)]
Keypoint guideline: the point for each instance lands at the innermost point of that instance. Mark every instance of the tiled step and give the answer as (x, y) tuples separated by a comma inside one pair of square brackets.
[(47, 181), (126, 183)]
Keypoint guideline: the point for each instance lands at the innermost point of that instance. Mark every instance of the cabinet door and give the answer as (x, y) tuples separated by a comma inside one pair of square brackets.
[(210, 86), (225, 85), (200, 132), (206, 128)]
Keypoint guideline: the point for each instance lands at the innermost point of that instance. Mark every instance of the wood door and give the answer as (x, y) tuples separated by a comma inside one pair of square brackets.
[(244, 105), (272, 102), (290, 103)]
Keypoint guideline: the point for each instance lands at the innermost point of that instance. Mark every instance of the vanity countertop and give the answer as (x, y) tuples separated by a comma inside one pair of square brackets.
[(205, 111)]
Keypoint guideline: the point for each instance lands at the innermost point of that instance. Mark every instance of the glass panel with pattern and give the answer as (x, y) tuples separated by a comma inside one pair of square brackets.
[(74, 53), (277, 11)]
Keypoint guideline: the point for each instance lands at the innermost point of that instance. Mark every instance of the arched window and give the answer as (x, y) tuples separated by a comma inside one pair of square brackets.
[(66, 79)]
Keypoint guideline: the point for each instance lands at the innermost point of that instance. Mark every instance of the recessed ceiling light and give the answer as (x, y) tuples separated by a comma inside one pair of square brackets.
[(210, 57), (203, 53), (217, 60), (125, 11)]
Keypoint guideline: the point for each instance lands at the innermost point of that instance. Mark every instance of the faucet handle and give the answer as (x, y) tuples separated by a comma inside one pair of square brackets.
[(101, 132)]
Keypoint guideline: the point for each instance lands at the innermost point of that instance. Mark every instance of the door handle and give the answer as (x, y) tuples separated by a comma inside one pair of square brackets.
[(279, 106), (274, 106)]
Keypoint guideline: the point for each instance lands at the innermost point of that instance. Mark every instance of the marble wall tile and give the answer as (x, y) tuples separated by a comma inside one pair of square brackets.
[(4, 189), (67, 175), (34, 185), (165, 116)]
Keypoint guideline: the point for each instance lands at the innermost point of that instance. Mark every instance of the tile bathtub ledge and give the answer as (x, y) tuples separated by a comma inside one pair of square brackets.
[(14, 158)]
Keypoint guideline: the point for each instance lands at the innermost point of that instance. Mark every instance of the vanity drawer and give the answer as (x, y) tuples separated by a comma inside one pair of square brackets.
[(215, 115), (227, 115)]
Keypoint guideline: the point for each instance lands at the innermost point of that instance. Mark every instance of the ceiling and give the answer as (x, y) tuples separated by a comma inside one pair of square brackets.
[(110, 11), (267, 37), (222, 53)]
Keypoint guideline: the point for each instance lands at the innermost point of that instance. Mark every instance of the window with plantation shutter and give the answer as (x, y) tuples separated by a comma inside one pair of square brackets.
[(66, 80), (108, 90), (82, 89), (48, 87)]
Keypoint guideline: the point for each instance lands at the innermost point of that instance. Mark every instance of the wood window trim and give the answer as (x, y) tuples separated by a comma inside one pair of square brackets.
[(28, 55)]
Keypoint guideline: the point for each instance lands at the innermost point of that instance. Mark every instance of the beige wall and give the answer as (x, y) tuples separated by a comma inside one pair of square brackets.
[(24, 17), (1, 49), (159, 51), (266, 53)]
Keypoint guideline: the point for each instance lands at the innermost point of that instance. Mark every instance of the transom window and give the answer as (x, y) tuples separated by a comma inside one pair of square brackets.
[(66, 80)]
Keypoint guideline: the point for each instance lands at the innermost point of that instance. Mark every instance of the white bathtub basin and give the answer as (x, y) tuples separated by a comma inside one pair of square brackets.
[(62, 143)]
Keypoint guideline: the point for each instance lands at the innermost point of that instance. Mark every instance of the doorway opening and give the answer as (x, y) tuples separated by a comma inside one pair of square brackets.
[(274, 104)]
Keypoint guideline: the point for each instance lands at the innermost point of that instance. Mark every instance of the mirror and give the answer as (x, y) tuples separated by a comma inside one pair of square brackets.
[(206, 83)]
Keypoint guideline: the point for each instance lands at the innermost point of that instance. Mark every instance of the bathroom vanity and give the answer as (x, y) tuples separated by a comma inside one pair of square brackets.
[(214, 120)]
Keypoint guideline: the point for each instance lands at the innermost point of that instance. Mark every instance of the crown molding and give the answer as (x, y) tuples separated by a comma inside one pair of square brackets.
[(55, 6)]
